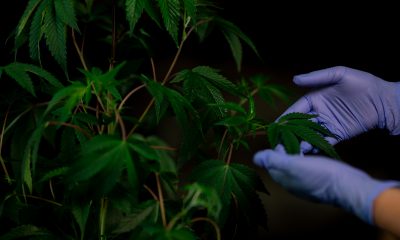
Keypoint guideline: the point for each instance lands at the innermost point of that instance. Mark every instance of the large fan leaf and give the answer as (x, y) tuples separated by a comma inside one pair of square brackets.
[(55, 34), (232, 181), (170, 10), (134, 10), (29, 10), (66, 13), (105, 156)]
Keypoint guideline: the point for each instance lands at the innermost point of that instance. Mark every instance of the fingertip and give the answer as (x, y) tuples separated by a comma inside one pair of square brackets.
[(260, 156)]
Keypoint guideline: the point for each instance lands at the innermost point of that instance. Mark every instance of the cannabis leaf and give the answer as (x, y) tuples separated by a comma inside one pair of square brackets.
[(291, 128), (170, 12), (235, 183), (204, 84), (234, 36), (20, 72)]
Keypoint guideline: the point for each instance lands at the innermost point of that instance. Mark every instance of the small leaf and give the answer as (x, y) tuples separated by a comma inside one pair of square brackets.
[(290, 141), (236, 48), (273, 133), (81, 215)]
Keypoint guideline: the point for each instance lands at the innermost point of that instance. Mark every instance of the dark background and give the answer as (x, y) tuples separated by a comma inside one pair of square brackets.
[(294, 38)]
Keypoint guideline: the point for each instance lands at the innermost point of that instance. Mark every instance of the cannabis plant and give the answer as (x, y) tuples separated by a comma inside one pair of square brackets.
[(82, 103)]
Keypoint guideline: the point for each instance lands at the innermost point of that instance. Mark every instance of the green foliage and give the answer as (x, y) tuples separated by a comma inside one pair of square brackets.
[(294, 127), (84, 150)]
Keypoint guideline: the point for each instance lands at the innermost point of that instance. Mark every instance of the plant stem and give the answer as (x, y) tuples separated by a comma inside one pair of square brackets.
[(121, 124), (79, 50), (3, 165), (42, 199), (161, 200), (228, 159), (129, 95), (114, 36), (151, 192), (102, 219), (168, 74), (71, 126), (214, 224)]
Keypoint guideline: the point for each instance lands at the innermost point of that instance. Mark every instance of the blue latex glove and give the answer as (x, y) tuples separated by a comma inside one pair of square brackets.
[(349, 102), (324, 180)]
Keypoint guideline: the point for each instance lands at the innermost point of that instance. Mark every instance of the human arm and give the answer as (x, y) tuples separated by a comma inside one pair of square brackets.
[(332, 182), (349, 102), (387, 210)]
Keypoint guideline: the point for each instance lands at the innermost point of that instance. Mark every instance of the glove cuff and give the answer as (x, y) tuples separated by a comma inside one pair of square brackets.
[(367, 213), (392, 108)]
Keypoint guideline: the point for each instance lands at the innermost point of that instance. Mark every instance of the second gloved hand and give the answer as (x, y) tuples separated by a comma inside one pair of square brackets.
[(324, 180), (349, 102)]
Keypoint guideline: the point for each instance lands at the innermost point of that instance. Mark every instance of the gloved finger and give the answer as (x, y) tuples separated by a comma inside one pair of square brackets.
[(271, 159), (320, 78), (280, 148), (302, 105), (306, 147)]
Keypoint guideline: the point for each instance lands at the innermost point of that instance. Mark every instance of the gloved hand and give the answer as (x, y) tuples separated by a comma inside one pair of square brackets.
[(324, 180), (349, 102)]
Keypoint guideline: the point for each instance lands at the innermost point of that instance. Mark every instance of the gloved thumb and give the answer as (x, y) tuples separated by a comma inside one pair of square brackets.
[(320, 78)]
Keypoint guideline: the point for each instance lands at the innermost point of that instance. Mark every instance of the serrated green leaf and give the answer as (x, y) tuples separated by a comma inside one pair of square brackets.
[(213, 76), (310, 124), (104, 157), (228, 26), (41, 73), (296, 115), (66, 13), (170, 10), (156, 90), (190, 7), (229, 106), (28, 164), (196, 87), (136, 218), (16, 72), (35, 31), (236, 48), (290, 141), (232, 121), (200, 196), (167, 163), (314, 138), (54, 173), (139, 145), (152, 11), (81, 215), (273, 133), (29, 10), (55, 34), (24, 231), (232, 181), (134, 10), (71, 96)]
